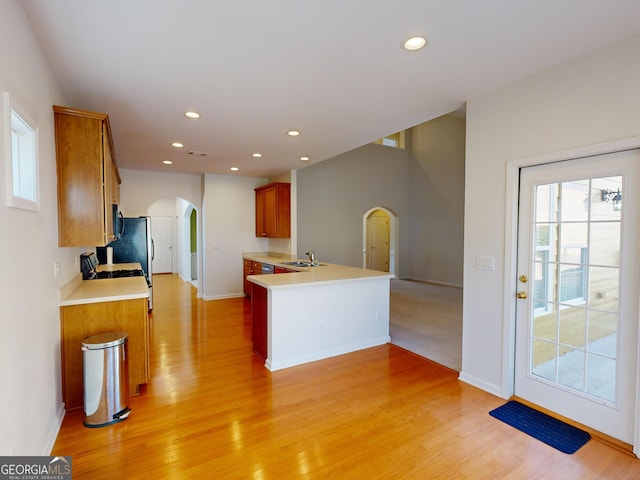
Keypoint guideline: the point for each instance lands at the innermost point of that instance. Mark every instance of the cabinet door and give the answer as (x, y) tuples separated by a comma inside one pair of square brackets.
[(270, 212), (80, 321), (282, 211), (259, 320), (273, 211), (107, 186), (260, 227), (80, 181)]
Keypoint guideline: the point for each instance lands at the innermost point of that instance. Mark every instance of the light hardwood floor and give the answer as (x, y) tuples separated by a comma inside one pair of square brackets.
[(212, 410)]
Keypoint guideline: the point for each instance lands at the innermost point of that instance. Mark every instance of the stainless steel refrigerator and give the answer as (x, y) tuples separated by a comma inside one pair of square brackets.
[(133, 245)]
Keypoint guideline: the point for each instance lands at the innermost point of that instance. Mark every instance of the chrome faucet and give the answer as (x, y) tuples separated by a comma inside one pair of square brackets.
[(312, 257)]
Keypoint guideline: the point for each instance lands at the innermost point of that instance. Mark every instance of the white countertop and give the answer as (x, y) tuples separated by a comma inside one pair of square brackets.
[(78, 291), (325, 273)]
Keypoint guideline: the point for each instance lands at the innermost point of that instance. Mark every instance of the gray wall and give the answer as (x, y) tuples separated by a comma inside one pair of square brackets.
[(437, 200), (423, 184), (334, 195)]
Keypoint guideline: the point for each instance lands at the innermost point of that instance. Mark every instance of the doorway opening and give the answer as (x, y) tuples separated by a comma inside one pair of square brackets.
[(175, 237), (380, 240)]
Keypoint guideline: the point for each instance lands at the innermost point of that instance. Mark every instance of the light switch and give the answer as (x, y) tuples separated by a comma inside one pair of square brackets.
[(485, 263)]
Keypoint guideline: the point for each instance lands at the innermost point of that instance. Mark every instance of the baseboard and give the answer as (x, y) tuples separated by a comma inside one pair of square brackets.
[(53, 435), (481, 384), (431, 282), (332, 352), (222, 297)]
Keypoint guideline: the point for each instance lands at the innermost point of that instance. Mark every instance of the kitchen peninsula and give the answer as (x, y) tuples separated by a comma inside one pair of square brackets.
[(316, 312)]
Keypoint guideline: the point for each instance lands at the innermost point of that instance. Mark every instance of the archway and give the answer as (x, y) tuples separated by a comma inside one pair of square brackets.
[(368, 232), (184, 235)]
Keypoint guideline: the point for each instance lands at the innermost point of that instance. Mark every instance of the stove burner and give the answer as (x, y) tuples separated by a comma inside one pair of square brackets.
[(118, 274)]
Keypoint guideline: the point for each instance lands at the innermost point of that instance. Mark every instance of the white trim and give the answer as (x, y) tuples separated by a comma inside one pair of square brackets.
[(481, 384), (511, 238), (7, 108), (431, 282), (53, 435)]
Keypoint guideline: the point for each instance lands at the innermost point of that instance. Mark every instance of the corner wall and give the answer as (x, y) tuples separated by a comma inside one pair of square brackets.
[(591, 100), (437, 200), (31, 408)]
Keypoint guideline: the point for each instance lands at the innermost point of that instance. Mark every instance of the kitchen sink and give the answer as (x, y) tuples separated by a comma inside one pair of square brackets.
[(301, 264)]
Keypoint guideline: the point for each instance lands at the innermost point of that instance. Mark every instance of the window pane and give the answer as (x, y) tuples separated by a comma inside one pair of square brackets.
[(546, 203), (603, 288), (545, 324), (601, 205), (574, 201), (23, 159), (573, 325), (572, 283), (603, 328), (605, 244), (571, 364), (544, 359), (601, 377)]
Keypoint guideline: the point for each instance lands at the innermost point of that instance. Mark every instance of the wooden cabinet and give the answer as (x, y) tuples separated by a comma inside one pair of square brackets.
[(273, 210), (80, 321), (250, 268), (259, 320), (88, 178), (282, 270)]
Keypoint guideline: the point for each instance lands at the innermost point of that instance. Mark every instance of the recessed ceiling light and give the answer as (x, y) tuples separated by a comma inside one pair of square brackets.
[(304, 159), (414, 43), (177, 145), (192, 114), (167, 162), (293, 133), (257, 155), (234, 169)]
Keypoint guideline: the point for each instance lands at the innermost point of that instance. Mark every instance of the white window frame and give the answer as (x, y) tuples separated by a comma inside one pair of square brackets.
[(13, 200)]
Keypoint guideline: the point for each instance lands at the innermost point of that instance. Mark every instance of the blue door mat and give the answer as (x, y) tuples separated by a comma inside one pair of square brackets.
[(553, 432)]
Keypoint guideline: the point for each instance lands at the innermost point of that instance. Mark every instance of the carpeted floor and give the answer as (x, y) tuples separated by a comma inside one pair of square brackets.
[(426, 319)]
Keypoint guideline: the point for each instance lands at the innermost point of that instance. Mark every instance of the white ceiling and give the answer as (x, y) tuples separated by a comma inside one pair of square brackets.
[(333, 69)]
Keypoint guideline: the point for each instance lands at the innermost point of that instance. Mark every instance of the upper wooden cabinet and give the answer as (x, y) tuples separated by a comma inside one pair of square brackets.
[(88, 178), (273, 210)]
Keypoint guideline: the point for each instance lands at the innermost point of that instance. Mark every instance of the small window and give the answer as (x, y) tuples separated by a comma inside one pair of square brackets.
[(23, 165), (395, 140)]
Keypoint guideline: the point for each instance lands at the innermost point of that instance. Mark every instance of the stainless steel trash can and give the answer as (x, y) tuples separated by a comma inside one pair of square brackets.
[(106, 379)]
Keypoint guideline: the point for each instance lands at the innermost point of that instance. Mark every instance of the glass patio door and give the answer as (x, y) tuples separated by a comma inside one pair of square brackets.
[(577, 306)]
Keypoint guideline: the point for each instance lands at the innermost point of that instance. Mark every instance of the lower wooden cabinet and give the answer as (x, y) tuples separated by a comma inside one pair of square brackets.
[(250, 268), (80, 321), (259, 320)]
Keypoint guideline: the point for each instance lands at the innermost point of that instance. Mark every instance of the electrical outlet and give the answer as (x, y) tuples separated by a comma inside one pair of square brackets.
[(57, 269), (319, 327)]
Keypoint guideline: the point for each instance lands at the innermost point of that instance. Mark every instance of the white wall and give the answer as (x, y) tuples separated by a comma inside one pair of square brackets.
[(139, 190), (228, 231), (590, 100), (31, 401)]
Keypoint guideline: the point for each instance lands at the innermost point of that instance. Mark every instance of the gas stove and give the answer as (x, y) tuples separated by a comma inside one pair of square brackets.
[(89, 262), (115, 274)]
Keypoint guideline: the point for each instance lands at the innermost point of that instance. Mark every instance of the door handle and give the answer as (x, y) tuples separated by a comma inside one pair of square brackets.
[(521, 295)]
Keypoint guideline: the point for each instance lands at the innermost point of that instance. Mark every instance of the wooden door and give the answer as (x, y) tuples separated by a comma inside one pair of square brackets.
[(378, 241)]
